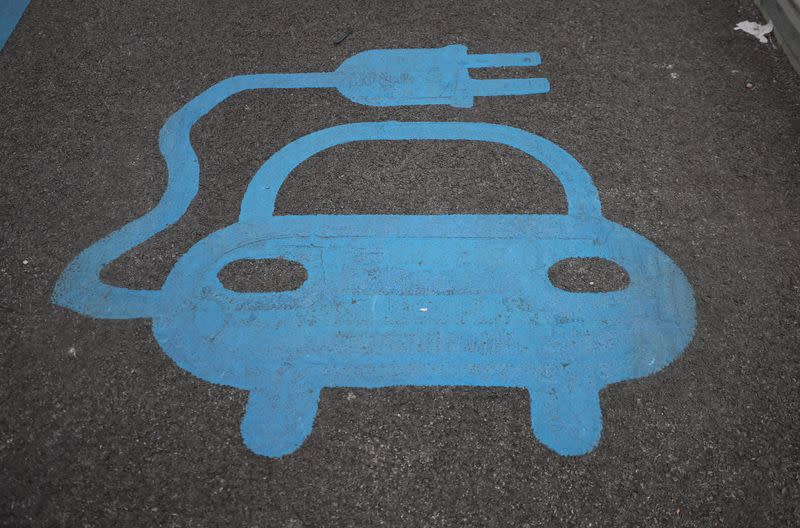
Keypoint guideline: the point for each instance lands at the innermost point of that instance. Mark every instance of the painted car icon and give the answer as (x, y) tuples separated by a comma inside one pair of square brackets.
[(423, 300), (411, 300)]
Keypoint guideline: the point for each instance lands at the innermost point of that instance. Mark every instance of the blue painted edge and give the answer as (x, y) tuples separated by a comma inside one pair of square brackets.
[(10, 13)]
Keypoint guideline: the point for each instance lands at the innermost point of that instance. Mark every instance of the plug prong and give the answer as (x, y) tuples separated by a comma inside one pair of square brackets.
[(502, 60), (488, 87)]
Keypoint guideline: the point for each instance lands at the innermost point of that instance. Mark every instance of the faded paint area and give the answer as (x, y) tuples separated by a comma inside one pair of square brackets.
[(399, 300)]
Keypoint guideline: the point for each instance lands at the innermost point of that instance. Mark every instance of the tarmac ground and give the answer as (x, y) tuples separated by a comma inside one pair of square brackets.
[(690, 130)]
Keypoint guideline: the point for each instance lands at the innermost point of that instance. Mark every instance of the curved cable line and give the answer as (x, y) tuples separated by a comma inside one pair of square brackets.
[(79, 287)]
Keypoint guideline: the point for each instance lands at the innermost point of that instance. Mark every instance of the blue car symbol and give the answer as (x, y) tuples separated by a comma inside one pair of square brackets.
[(413, 300)]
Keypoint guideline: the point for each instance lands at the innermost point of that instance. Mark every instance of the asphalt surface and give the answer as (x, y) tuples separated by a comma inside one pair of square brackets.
[(690, 130)]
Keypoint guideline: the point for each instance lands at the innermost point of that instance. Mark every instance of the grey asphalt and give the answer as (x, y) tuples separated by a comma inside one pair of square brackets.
[(690, 130)]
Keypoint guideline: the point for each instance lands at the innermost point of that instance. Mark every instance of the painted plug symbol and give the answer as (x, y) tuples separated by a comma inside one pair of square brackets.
[(431, 76)]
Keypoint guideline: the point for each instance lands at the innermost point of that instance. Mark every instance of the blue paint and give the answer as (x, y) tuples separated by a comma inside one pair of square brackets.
[(398, 300), (10, 13), (430, 76)]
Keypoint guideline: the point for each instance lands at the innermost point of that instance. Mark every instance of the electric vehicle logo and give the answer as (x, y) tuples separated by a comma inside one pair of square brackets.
[(420, 300)]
